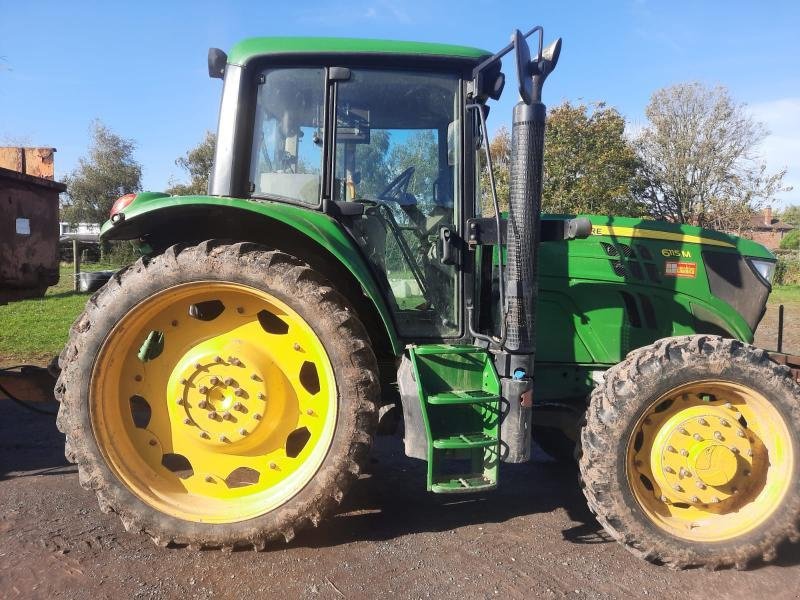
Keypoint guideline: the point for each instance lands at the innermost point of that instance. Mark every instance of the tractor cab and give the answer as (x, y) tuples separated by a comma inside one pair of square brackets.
[(378, 144)]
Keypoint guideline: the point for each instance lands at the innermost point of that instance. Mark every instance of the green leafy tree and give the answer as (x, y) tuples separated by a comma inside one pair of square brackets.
[(699, 159), (108, 172), (791, 241), (198, 162), (420, 151), (791, 215), (589, 165)]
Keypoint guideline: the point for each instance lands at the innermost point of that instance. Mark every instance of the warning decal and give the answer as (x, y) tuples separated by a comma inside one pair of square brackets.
[(673, 268)]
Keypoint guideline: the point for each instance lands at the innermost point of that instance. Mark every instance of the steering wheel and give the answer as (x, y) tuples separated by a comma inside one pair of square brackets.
[(398, 187)]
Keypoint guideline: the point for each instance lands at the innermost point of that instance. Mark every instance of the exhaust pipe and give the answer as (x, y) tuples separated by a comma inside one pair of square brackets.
[(525, 199)]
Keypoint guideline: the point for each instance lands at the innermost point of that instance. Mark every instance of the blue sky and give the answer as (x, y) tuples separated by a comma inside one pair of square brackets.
[(140, 67)]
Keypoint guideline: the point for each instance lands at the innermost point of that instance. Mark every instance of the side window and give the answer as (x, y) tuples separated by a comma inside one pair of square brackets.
[(286, 161)]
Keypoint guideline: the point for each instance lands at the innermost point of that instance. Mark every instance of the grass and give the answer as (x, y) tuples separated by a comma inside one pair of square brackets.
[(785, 293), (36, 330)]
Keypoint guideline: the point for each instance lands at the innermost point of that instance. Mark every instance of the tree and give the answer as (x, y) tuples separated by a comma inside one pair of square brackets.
[(791, 215), (198, 162), (698, 159), (589, 165), (110, 171), (791, 241)]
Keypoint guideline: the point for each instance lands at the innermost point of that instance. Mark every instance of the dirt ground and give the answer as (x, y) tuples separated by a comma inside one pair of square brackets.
[(532, 538)]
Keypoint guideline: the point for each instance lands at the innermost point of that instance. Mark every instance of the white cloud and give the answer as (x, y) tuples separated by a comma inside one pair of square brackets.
[(781, 148)]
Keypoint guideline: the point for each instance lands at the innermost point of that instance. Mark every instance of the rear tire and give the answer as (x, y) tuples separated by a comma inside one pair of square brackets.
[(683, 395), (98, 428)]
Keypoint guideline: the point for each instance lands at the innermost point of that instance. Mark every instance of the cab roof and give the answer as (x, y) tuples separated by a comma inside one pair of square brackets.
[(251, 48)]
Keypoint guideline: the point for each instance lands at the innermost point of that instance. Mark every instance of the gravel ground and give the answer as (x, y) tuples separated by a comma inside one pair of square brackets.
[(532, 538)]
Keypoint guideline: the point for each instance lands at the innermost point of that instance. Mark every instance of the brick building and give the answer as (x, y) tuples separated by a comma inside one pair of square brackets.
[(767, 230)]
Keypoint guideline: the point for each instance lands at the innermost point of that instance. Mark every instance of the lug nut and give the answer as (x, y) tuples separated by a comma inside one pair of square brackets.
[(740, 432), (717, 435), (224, 439), (229, 382), (203, 404), (203, 389), (664, 499), (227, 416), (213, 415), (187, 421), (734, 449), (261, 396), (729, 406), (240, 309), (683, 430), (204, 435), (198, 366), (670, 449), (255, 377), (297, 346), (715, 500), (701, 485), (695, 499), (214, 380), (218, 359), (684, 452), (702, 421), (235, 361), (240, 393), (209, 479), (243, 432), (724, 422), (179, 401), (273, 466), (152, 442), (698, 437), (677, 488), (257, 417), (183, 381), (310, 412), (669, 469), (238, 406), (174, 323), (749, 452)]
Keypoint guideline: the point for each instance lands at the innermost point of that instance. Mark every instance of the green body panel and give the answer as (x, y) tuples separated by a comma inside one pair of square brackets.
[(459, 394), (251, 48), (583, 322), (315, 225)]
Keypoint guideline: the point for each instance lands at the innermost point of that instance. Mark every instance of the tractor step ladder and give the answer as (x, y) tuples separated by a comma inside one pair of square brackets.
[(459, 391)]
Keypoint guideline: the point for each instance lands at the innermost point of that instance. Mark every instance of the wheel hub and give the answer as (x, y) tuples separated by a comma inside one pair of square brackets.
[(702, 455), (222, 396)]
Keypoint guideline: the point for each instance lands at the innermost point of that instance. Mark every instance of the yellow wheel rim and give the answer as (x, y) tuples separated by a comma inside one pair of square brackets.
[(213, 402), (710, 461)]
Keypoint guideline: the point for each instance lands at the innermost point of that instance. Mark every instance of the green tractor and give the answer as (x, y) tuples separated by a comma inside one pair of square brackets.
[(225, 389)]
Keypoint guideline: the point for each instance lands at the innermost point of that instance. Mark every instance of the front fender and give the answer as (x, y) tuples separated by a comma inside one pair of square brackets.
[(150, 210)]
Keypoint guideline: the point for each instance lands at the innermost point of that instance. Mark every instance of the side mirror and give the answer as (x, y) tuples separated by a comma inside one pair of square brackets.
[(217, 60)]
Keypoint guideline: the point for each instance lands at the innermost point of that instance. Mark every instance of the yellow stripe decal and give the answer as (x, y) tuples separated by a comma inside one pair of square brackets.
[(657, 235)]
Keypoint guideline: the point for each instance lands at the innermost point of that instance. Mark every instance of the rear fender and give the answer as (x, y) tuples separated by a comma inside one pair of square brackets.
[(161, 220)]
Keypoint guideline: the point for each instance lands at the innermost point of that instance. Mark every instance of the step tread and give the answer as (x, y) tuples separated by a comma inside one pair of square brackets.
[(465, 440), (464, 484), (463, 397)]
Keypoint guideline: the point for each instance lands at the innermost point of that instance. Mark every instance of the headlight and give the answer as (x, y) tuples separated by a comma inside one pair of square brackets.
[(765, 268)]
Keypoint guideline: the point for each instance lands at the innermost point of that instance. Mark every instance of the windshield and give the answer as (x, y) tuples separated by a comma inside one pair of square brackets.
[(397, 147)]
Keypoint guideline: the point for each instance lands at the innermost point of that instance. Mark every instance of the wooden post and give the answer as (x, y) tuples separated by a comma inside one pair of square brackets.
[(76, 262)]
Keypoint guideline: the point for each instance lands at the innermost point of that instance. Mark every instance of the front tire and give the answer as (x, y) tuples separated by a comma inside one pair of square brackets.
[(218, 396), (690, 453)]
